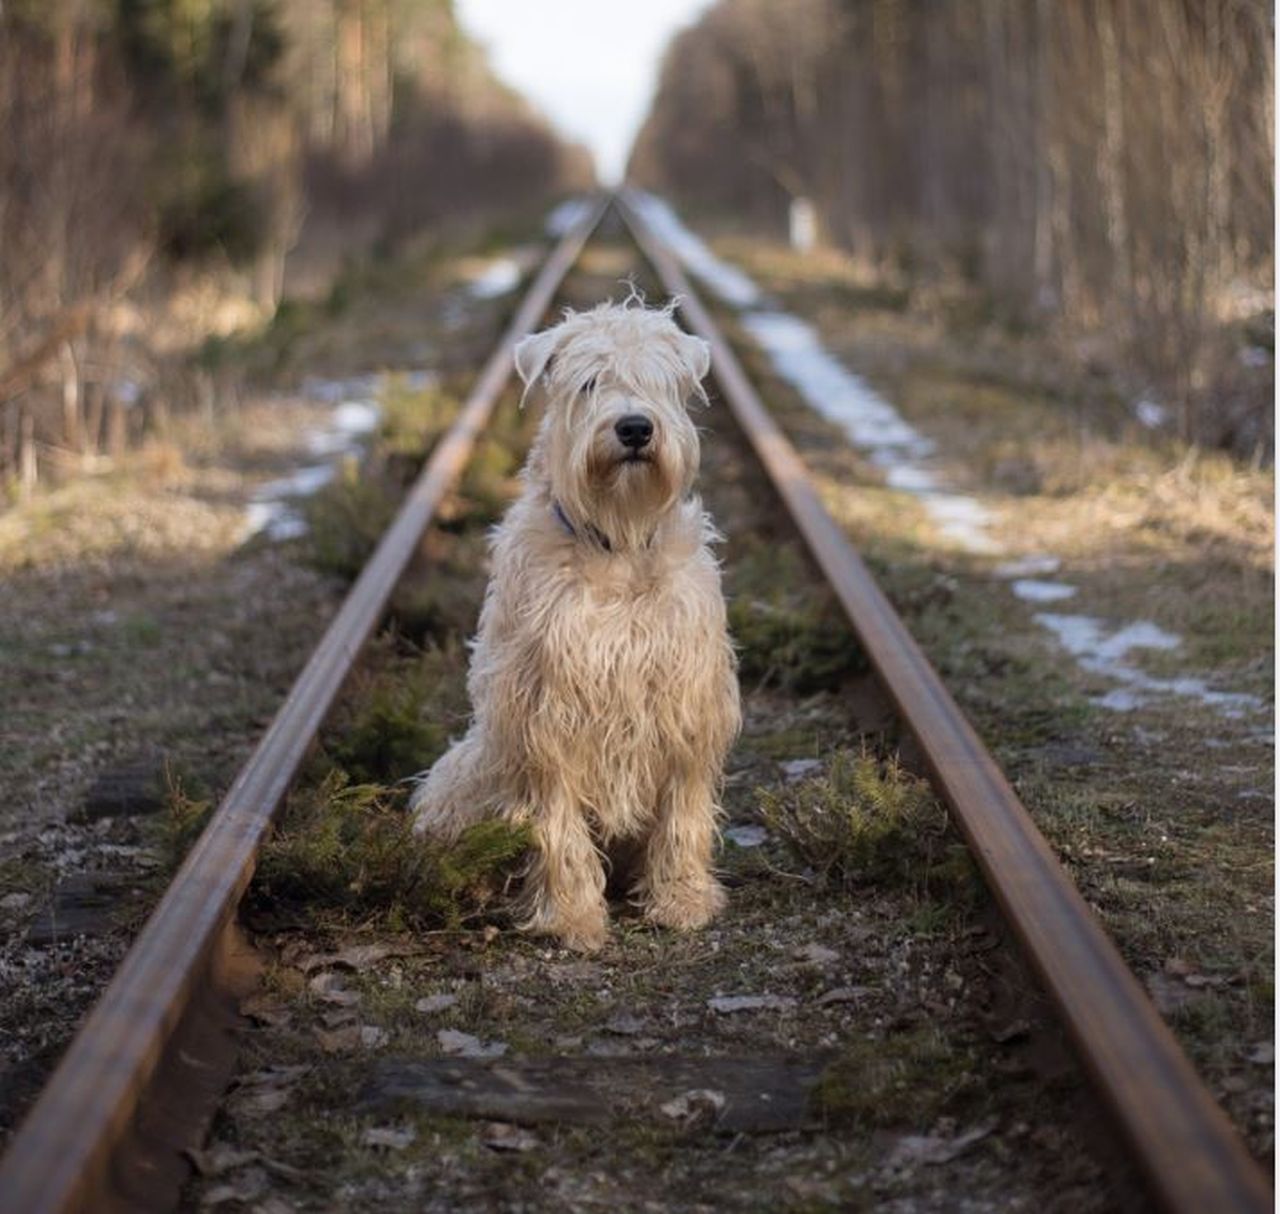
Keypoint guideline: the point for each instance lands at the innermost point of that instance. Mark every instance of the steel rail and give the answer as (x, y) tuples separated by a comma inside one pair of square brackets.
[(1188, 1150), (60, 1158)]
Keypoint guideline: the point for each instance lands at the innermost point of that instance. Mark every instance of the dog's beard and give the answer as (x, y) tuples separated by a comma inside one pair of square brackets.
[(624, 493)]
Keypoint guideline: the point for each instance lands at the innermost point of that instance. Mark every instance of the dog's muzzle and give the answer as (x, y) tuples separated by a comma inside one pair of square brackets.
[(634, 431)]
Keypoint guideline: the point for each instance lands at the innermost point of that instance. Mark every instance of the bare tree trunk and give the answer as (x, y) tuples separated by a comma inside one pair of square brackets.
[(28, 469), (72, 421), (1111, 165)]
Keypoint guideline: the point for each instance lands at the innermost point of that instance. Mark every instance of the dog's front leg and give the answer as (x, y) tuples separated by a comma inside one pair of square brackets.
[(677, 888), (564, 888)]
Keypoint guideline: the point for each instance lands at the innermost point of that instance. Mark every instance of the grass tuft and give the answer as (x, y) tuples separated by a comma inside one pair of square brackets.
[(863, 822), (346, 520), (349, 848), (784, 631)]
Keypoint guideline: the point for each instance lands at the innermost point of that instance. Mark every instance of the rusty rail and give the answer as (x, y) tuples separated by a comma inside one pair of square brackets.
[(1187, 1148), (61, 1157)]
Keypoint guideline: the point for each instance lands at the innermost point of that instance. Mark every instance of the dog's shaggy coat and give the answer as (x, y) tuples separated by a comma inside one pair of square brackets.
[(602, 679)]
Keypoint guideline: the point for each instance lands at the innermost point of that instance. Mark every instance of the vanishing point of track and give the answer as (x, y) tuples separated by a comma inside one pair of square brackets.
[(155, 1049)]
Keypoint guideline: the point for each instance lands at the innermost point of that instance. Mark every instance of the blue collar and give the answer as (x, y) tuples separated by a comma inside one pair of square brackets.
[(596, 534)]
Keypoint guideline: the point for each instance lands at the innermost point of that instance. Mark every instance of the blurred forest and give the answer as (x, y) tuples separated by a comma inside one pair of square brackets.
[(1091, 167), (153, 147)]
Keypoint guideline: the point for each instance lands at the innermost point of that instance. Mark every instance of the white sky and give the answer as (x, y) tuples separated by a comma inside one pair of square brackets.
[(588, 65)]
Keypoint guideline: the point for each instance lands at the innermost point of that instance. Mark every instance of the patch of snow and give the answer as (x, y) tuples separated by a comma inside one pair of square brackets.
[(1150, 413), (565, 215), (1105, 653), (498, 278), (1028, 566), (1032, 591), (730, 283)]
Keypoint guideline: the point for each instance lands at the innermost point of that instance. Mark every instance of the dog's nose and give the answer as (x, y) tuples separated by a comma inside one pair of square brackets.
[(634, 431)]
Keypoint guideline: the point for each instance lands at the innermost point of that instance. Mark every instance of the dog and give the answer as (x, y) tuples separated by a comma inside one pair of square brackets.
[(602, 680)]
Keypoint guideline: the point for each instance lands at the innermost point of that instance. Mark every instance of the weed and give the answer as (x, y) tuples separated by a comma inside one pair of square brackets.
[(345, 521), (862, 822), (349, 848), (412, 418), (185, 817), (395, 722)]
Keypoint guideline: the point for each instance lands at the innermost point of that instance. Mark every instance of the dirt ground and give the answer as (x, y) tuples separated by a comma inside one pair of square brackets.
[(912, 1065)]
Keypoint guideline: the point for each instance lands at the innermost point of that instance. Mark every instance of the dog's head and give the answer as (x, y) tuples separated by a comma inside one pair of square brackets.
[(618, 444)]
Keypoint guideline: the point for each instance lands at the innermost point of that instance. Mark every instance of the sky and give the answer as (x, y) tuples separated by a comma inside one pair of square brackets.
[(589, 65)]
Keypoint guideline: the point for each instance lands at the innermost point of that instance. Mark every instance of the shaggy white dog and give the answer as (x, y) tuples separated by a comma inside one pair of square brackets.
[(602, 679)]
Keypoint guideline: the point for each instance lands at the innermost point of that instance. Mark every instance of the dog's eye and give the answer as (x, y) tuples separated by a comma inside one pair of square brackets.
[(589, 386)]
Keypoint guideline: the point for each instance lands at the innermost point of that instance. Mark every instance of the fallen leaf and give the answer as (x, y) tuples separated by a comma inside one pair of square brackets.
[(354, 957), (912, 1150), (263, 1009), (332, 988), (698, 1106), (727, 1004), (502, 1136), (818, 954), (337, 1041), (843, 994), (464, 1045)]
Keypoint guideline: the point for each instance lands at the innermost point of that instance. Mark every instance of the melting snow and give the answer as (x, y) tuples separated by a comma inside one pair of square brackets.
[(497, 278), (1032, 591), (1105, 653), (902, 454), (272, 508)]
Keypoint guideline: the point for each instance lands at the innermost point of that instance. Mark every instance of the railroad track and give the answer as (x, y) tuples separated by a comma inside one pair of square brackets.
[(152, 1059)]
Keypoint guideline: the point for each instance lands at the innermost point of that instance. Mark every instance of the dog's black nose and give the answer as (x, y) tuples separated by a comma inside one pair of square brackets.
[(634, 431)]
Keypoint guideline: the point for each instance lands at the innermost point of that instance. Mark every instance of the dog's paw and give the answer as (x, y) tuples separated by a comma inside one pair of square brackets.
[(685, 907), (584, 930)]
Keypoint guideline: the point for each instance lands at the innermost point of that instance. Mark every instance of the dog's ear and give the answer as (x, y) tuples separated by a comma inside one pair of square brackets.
[(696, 354), (533, 353)]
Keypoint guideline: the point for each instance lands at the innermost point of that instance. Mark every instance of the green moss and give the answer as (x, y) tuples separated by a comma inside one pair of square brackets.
[(904, 1080)]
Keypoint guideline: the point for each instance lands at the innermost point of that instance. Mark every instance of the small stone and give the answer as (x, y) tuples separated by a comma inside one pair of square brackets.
[(388, 1138), (1262, 1054), (800, 769), (464, 1045), (332, 988), (435, 1003), (747, 836), (14, 902), (625, 1025), (371, 1036), (728, 1004)]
